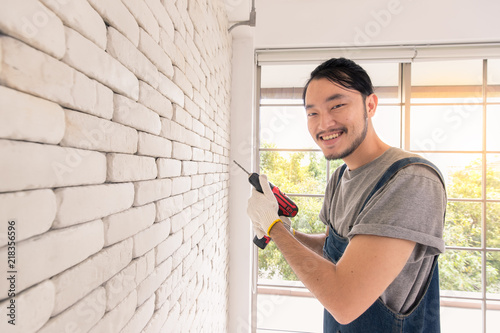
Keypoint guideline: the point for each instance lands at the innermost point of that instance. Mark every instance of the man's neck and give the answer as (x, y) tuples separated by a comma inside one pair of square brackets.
[(371, 148)]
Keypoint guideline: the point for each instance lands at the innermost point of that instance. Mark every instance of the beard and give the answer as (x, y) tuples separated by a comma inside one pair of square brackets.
[(354, 145)]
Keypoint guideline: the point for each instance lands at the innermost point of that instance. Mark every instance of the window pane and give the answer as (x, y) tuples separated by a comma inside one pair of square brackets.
[(493, 225), (463, 224), (387, 124), (460, 271), (284, 127), (492, 132), (295, 172), (385, 80), (447, 81), (462, 174), (493, 176), (450, 127), (493, 90), (493, 275)]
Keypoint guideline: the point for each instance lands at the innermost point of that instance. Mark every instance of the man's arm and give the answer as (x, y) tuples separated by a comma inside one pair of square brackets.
[(313, 241), (349, 288)]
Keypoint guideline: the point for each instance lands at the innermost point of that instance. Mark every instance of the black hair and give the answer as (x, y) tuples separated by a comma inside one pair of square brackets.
[(343, 72)]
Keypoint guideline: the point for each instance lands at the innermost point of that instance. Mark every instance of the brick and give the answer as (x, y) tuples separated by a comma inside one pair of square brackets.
[(124, 168), (36, 304), (167, 44), (151, 237), (141, 317), (93, 133), (189, 168), (151, 145), (166, 248), (147, 287), (168, 167), (85, 56), (144, 17), (152, 190), (34, 24), (27, 165), (120, 285), (127, 53), (181, 253), (190, 198), (120, 226), (161, 15), (170, 90), (172, 322), (33, 212), (199, 155), (171, 130), (175, 16), (116, 14), (181, 185), (157, 321), (181, 151), (85, 203), (192, 108), (150, 97), (192, 77), (116, 319), (182, 81), (197, 181), (76, 282), (154, 52), (65, 248), (182, 117), (83, 315), (25, 117), (24, 68), (145, 266), (167, 207), (180, 220), (79, 15), (162, 294), (130, 113)]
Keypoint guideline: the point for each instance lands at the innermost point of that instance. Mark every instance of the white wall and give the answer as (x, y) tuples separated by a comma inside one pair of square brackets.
[(114, 167), (314, 23)]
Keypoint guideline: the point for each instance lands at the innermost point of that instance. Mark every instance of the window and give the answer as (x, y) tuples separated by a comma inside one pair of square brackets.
[(448, 111)]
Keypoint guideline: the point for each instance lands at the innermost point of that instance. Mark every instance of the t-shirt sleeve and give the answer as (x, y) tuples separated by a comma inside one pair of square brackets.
[(410, 206)]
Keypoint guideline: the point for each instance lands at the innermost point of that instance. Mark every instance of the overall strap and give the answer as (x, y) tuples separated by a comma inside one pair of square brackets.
[(341, 172)]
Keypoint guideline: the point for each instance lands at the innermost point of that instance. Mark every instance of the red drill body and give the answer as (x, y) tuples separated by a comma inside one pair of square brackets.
[(286, 206)]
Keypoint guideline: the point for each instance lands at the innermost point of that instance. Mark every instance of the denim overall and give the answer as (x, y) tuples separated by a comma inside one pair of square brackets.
[(423, 317)]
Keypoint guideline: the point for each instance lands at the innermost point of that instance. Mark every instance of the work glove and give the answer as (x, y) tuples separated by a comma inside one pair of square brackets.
[(263, 208)]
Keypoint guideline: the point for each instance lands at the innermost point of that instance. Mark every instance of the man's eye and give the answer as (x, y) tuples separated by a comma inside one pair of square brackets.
[(311, 114), (337, 106)]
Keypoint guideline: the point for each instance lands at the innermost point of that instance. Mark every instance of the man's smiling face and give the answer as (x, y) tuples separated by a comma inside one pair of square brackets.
[(336, 118)]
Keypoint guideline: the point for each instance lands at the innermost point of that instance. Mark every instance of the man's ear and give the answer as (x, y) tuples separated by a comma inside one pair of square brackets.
[(371, 103)]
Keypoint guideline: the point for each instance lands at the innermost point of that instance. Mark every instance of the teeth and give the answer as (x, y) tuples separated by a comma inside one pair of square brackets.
[(332, 136)]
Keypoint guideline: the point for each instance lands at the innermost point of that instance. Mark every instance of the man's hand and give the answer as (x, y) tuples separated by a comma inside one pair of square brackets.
[(263, 207)]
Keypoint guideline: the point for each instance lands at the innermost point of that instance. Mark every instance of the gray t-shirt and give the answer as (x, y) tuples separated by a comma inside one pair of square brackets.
[(410, 206)]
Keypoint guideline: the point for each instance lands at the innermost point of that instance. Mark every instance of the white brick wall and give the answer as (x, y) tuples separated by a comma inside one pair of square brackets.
[(114, 145)]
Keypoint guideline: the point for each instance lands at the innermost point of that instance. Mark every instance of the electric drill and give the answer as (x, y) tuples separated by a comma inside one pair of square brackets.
[(286, 206)]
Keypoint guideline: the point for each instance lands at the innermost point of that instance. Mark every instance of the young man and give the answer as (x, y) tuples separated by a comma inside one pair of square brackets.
[(375, 269)]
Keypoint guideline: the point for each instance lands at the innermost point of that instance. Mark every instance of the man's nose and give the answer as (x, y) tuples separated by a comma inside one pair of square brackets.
[(326, 120)]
